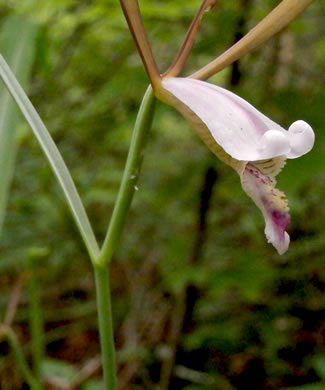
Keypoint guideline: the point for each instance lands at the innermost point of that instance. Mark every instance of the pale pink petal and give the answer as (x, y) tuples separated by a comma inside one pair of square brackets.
[(241, 136), (240, 129)]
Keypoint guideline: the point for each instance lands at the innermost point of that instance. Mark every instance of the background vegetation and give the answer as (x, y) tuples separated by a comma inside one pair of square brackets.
[(200, 300)]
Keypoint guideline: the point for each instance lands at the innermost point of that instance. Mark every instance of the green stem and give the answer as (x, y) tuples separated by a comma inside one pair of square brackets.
[(35, 316), (130, 177), (121, 208), (105, 326), (22, 365)]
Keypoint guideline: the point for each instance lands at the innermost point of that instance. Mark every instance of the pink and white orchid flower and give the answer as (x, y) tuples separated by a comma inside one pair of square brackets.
[(240, 135), (248, 141)]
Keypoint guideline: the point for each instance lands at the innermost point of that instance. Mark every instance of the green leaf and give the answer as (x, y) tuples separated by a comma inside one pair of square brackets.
[(312, 386), (59, 368), (54, 157), (92, 384), (17, 44), (319, 365)]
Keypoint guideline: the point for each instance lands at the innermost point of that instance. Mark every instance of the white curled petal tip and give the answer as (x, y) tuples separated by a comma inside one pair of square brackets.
[(274, 143), (301, 137)]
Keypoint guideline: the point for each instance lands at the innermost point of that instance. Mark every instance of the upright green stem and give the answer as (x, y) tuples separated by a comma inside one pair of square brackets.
[(122, 205), (106, 332), (35, 316), (130, 177)]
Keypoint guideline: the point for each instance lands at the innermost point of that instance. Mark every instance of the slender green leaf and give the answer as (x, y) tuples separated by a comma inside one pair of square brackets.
[(54, 157), (17, 44), (7, 333)]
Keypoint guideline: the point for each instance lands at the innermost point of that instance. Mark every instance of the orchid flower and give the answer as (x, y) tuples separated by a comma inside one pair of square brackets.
[(236, 132)]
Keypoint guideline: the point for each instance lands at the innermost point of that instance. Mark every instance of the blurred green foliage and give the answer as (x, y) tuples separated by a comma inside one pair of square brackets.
[(17, 45), (249, 318)]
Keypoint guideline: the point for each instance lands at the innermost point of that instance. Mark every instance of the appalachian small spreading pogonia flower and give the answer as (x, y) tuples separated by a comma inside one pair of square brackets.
[(241, 136), (248, 141)]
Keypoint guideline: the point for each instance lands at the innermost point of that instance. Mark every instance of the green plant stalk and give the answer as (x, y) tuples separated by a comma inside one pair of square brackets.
[(6, 332), (122, 205), (35, 317), (130, 177), (105, 324)]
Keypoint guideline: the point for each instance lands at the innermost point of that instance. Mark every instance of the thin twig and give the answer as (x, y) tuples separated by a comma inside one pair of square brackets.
[(15, 298), (89, 369)]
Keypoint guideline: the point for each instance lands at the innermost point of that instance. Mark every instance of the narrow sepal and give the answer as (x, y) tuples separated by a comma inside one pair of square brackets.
[(274, 22), (183, 53), (134, 19)]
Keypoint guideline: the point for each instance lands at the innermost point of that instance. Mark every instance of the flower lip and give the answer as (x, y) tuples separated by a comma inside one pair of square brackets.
[(239, 128), (272, 202)]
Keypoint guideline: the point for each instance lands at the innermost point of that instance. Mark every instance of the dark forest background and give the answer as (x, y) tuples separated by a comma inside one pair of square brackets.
[(200, 300)]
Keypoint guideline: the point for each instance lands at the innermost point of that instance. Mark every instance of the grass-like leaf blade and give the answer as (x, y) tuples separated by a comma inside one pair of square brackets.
[(54, 157)]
